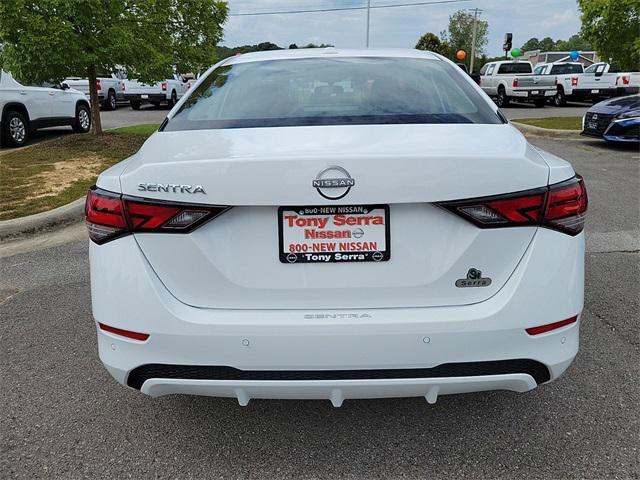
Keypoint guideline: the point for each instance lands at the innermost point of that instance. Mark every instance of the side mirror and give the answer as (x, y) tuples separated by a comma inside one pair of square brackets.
[(64, 86)]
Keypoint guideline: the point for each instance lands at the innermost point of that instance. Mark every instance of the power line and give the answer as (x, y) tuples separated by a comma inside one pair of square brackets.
[(339, 9)]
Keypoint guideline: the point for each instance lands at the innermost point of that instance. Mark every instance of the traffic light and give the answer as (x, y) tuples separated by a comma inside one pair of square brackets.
[(508, 39)]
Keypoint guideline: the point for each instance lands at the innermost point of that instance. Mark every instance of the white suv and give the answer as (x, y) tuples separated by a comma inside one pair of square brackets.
[(336, 224), (24, 109)]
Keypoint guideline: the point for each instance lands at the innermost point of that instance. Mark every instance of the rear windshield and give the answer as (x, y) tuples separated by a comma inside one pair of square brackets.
[(332, 91), (516, 67), (567, 68)]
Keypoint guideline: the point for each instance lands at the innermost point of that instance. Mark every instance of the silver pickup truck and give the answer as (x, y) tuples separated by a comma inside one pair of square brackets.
[(514, 80)]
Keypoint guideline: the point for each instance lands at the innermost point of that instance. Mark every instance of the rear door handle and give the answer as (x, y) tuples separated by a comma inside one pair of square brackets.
[(51, 93), (23, 93)]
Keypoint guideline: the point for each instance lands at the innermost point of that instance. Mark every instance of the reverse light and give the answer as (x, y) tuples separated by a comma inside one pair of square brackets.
[(551, 326), (561, 207), (111, 215), (124, 333)]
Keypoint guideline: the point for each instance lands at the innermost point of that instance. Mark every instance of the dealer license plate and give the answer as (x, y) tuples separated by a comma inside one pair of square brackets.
[(534, 92), (144, 96), (326, 234), (595, 91)]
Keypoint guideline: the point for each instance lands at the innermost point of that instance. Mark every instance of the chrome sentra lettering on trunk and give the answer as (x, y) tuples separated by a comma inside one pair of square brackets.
[(170, 188)]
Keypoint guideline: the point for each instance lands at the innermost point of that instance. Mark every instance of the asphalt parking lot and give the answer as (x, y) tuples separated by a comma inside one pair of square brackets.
[(64, 417)]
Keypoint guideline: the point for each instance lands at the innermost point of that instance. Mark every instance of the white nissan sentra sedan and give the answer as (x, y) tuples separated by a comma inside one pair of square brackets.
[(337, 224)]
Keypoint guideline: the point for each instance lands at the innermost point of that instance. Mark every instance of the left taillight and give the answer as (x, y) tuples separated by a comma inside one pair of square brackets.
[(561, 207), (111, 215)]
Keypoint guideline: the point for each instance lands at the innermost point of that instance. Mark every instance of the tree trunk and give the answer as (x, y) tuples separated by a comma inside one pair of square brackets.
[(96, 124)]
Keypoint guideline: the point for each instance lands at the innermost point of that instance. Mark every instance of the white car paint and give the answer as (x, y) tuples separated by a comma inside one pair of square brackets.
[(41, 106), (159, 92), (107, 85), (220, 297), (524, 86)]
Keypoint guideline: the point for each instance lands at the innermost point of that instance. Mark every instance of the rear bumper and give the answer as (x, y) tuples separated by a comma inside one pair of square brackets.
[(151, 97), (386, 352), (526, 94)]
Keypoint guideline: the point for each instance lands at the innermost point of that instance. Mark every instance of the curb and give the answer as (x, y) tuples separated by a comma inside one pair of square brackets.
[(40, 222), (546, 132)]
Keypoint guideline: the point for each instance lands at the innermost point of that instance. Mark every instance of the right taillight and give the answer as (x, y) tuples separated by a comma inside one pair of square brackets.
[(111, 215), (561, 207), (515, 82)]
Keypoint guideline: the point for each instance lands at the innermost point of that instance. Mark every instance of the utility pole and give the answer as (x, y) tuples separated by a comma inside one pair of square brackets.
[(476, 12), (368, 16)]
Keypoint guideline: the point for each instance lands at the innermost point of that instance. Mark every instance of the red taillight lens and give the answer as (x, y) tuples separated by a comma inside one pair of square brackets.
[(566, 207), (574, 81), (111, 215), (105, 215), (515, 82), (98, 86), (551, 326), (164, 86), (124, 333), (561, 207), (626, 79)]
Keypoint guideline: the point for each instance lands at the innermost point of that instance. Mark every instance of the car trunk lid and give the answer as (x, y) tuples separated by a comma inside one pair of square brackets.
[(234, 261)]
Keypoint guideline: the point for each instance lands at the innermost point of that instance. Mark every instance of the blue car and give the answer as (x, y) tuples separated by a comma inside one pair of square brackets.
[(615, 120)]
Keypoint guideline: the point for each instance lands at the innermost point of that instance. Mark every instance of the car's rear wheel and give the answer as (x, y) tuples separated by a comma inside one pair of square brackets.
[(502, 100), (174, 99), (83, 119), (135, 104), (559, 100), (111, 102), (15, 129)]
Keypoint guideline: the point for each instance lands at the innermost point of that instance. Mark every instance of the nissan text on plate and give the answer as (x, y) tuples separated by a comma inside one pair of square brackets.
[(337, 224)]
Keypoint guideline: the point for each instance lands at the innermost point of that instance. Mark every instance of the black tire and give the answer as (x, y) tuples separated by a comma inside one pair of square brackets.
[(559, 100), (502, 100), (174, 99), (539, 103), (15, 129), (135, 104), (111, 102), (83, 119)]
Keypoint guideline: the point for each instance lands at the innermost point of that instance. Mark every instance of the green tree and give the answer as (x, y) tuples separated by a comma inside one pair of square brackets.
[(531, 44), (612, 27), (575, 42), (547, 44), (459, 35), (430, 41), (48, 40)]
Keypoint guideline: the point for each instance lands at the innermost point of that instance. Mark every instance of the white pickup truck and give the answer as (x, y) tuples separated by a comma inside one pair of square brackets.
[(572, 84), (170, 91), (627, 83), (110, 88), (24, 109), (513, 80)]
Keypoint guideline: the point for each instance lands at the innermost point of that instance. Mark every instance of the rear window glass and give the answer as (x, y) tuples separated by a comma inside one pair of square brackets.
[(567, 68), (516, 67), (332, 91)]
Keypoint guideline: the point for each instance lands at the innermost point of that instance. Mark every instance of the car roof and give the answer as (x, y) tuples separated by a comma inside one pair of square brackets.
[(330, 52)]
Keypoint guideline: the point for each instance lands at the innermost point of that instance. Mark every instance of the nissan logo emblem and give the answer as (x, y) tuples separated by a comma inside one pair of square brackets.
[(333, 183)]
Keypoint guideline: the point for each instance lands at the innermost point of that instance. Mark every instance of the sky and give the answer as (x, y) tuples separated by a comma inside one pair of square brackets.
[(395, 27)]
